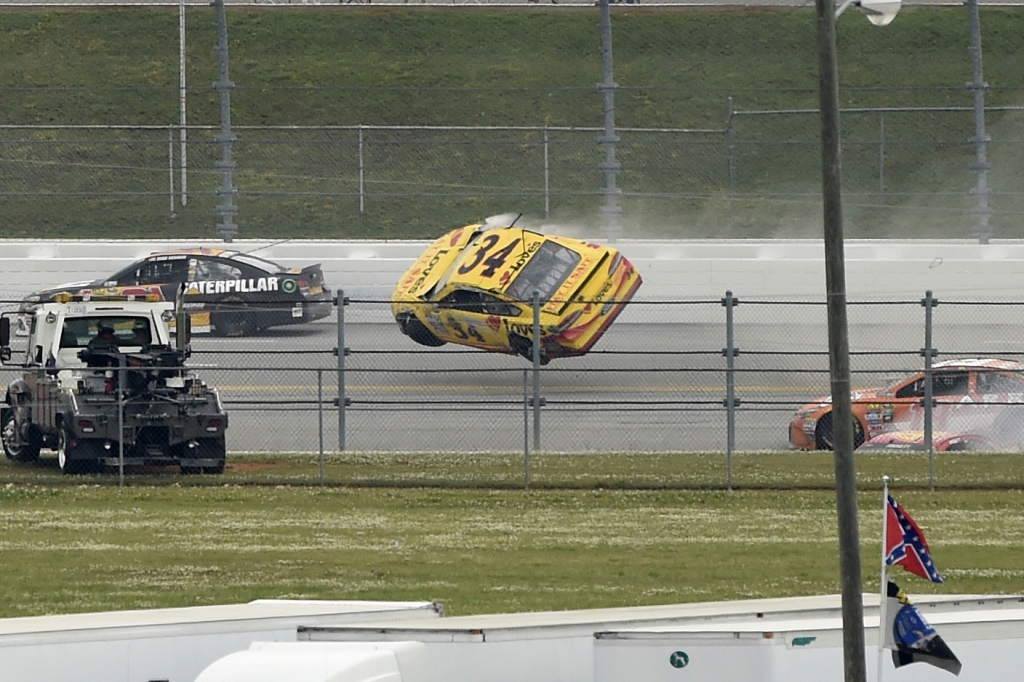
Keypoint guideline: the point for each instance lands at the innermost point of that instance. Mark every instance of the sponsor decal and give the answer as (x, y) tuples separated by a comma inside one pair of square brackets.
[(494, 322), (520, 329), (519, 262), (289, 286), (234, 286), (679, 659), (456, 236), (426, 271)]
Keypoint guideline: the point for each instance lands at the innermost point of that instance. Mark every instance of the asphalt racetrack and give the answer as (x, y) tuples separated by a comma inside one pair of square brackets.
[(644, 388)]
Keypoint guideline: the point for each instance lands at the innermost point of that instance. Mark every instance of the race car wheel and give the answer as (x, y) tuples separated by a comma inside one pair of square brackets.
[(15, 448), (229, 317), (824, 439), (418, 332)]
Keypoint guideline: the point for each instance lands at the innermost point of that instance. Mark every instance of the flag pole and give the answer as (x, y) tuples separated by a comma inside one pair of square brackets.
[(883, 592)]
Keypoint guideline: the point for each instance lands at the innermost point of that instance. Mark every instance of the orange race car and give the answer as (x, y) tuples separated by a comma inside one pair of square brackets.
[(877, 410)]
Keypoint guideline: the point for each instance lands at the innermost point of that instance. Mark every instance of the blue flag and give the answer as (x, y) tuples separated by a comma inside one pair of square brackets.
[(912, 638)]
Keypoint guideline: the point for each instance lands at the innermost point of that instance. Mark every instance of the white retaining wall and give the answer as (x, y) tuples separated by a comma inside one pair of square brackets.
[(685, 270)]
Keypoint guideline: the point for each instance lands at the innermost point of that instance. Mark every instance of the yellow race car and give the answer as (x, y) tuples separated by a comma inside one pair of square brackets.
[(474, 286)]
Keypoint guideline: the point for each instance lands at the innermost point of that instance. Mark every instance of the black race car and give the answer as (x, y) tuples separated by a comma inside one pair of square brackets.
[(228, 292)]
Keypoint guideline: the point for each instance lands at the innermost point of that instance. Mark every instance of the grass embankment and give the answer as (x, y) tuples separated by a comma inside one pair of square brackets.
[(480, 67), (83, 544)]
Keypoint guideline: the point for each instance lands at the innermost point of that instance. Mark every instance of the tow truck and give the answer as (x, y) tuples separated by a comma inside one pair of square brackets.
[(103, 385)]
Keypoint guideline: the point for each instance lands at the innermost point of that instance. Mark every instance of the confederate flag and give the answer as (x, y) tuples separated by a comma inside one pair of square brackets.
[(905, 544)]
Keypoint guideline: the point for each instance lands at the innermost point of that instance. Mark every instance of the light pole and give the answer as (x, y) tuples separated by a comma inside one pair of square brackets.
[(880, 13)]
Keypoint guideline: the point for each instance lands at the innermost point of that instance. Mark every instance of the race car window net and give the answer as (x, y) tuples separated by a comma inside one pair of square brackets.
[(122, 331), (156, 272), (479, 302), (211, 269), (544, 273)]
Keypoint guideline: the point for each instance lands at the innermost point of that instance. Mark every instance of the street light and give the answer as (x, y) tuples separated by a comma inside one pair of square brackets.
[(879, 12)]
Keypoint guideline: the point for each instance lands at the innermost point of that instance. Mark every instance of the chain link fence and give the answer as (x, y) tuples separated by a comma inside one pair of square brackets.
[(906, 171), (649, 406)]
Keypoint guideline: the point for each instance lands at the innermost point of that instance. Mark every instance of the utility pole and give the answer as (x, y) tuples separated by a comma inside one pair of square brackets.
[(226, 209), (610, 167), (854, 666), (982, 229)]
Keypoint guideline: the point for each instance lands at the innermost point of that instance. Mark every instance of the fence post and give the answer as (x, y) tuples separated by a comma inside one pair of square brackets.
[(547, 176), (320, 418), (730, 138), (120, 421), (170, 164), (881, 155), (536, 370), (526, 431), (730, 352), (342, 351), (928, 352), (362, 179)]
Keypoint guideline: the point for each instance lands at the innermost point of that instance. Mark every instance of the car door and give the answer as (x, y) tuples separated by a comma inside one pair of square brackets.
[(474, 317)]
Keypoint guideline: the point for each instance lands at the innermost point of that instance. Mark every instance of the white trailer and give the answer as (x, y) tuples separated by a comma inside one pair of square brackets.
[(564, 646), (169, 645), (988, 641)]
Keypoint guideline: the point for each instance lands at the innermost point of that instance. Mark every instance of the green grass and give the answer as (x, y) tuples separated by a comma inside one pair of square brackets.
[(480, 67), (83, 544)]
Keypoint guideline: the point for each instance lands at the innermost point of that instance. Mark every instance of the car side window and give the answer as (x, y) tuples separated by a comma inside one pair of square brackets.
[(463, 299), (950, 383), (478, 302), (157, 272), (208, 269), (912, 390)]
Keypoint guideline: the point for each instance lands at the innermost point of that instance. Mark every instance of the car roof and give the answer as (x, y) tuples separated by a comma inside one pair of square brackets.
[(198, 251), (979, 363), (521, 252), (248, 258)]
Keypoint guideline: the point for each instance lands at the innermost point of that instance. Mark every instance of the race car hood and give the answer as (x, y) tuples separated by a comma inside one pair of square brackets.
[(433, 263), (47, 295)]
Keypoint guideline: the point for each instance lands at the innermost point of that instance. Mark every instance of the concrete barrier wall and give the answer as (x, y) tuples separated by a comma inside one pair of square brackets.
[(679, 270)]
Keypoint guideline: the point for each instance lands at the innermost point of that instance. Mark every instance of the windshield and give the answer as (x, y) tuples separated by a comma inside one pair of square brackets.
[(545, 272), (125, 330)]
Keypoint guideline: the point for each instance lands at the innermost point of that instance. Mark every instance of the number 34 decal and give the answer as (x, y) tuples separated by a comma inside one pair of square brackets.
[(491, 264), (469, 331)]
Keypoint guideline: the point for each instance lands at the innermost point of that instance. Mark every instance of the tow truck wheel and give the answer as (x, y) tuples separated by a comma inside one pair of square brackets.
[(16, 449), (211, 448), (68, 465)]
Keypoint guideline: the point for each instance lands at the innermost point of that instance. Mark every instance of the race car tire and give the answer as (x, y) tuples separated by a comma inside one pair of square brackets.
[(418, 332), (228, 317), (823, 438), (16, 451), (69, 466)]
